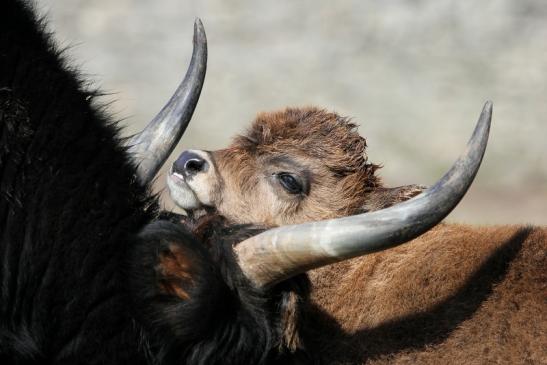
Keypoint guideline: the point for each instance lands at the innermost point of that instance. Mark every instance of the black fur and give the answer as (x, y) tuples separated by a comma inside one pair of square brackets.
[(69, 204), (225, 320), (76, 283)]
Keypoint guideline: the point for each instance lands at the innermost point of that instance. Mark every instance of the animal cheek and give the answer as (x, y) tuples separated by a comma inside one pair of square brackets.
[(276, 209), (175, 273)]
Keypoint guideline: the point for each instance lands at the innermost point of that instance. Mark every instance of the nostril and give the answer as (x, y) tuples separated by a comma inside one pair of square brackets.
[(195, 165), (190, 163)]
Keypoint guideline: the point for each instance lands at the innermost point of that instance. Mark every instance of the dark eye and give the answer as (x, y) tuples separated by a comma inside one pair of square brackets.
[(290, 183)]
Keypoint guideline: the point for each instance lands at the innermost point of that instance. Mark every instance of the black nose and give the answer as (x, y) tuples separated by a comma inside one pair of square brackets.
[(189, 163)]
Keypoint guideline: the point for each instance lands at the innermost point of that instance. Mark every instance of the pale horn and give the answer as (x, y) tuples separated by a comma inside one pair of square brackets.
[(150, 148), (280, 253)]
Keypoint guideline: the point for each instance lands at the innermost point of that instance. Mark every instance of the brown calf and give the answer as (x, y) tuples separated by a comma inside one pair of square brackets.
[(456, 295)]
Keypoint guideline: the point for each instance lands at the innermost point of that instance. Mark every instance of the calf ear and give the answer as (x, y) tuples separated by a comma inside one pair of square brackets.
[(381, 198)]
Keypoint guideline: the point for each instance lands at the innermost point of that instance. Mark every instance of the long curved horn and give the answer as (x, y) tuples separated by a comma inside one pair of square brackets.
[(280, 253), (151, 147)]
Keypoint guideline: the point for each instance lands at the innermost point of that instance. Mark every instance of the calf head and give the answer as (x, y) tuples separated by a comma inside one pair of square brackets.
[(291, 166)]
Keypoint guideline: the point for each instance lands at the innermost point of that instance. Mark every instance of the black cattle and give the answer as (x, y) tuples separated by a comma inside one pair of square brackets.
[(88, 273)]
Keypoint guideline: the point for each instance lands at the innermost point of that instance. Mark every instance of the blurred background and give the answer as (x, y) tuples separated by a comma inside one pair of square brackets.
[(413, 74)]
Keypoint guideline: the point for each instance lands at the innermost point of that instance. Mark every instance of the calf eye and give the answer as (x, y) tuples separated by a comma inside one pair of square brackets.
[(290, 183)]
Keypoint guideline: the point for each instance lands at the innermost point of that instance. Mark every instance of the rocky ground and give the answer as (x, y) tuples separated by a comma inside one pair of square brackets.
[(414, 74)]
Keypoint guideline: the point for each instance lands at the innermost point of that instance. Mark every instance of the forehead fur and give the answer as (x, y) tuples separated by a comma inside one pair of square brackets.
[(311, 132)]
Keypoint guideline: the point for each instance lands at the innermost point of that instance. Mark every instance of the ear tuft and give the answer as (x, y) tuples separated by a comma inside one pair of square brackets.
[(175, 272), (174, 282), (190, 294)]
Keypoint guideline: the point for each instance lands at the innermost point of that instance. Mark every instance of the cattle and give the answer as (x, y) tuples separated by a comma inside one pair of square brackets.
[(89, 274), (459, 294), (92, 273)]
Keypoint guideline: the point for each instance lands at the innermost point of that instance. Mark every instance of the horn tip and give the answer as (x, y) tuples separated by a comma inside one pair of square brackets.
[(198, 25), (488, 106), (486, 114), (199, 33)]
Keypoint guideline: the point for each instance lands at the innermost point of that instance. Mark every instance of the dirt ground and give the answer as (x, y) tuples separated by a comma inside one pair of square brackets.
[(413, 74)]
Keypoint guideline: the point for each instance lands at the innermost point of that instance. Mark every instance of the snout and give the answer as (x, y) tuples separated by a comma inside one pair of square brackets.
[(192, 180), (189, 164)]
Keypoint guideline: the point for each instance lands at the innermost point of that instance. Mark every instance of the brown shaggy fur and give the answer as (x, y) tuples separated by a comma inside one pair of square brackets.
[(316, 134), (456, 295), (327, 145)]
